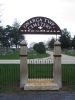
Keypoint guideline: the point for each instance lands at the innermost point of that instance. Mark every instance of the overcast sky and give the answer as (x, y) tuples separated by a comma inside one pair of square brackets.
[(60, 11)]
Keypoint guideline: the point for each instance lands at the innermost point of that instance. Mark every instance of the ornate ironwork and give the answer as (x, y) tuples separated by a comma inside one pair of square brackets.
[(40, 25)]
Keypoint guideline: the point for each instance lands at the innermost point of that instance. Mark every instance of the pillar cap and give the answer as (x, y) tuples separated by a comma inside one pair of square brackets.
[(23, 42), (57, 43)]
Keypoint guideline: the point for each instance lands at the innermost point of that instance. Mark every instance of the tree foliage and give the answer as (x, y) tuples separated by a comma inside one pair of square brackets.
[(35, 47), (73, 42), (39, 47), (51, 43), (65, 39), (16, 36), (10, 35)]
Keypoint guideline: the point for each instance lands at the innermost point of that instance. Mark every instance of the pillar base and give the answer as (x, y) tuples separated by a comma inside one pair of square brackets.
[(41, 84)]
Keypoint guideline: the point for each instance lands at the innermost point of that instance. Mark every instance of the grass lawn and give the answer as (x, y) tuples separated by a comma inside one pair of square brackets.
[(14, 55), (40, 71), (10, 74), (31, 55), (70, 53)]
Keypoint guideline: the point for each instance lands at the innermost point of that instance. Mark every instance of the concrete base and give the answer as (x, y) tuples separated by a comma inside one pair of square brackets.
[(41, 84)]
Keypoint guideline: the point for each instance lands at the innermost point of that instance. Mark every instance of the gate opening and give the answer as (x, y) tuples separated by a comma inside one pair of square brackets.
[(40, 74)]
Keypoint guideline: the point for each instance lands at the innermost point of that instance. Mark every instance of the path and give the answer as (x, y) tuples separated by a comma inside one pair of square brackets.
[(65, 59), (38, 95)]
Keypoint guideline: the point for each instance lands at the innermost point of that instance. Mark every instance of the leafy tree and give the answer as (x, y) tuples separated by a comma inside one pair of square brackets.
[(16, 24), (8, 33), (10, 36), (39, 47), (4, 38), (16, 36), (73, 42), (65, 39), (51, 43), (35, 47), (1, 35)]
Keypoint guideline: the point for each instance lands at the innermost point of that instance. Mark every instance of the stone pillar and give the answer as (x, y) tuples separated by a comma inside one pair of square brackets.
[(57, 64), (23, 64)]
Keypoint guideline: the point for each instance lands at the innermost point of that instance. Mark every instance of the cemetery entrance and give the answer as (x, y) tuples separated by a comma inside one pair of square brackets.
[(40, 25)]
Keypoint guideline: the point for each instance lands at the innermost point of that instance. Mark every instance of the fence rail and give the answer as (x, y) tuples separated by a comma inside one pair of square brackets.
[(36, 60), (40, 61)]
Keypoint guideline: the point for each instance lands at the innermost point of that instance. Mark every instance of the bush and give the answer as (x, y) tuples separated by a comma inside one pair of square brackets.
[(39, 47)]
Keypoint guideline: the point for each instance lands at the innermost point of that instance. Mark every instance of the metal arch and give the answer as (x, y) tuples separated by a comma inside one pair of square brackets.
[(40, 25)]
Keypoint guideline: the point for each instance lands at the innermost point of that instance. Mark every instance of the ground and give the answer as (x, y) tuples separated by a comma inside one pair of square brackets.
[(65, 59), (38, 95), (41, 95)]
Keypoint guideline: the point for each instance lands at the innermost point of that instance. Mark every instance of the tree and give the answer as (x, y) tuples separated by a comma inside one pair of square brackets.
[(10, 36), (1, 35), (8, 33), (73, 42), (35, 47), (16, 36), (51, 43), (39, 47), (65, 39), (4, 38), (16, 24), (1, 28)]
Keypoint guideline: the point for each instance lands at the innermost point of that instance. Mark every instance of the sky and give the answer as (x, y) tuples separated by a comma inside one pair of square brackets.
[(60, 11)]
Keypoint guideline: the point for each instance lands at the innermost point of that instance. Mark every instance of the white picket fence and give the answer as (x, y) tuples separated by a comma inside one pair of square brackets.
[(36, 61)]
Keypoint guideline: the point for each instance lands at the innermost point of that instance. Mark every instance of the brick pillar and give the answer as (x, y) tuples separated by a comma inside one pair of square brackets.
[(23, 64), (57, 64)]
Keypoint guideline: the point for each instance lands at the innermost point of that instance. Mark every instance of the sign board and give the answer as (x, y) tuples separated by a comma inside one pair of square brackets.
[(40, 25)]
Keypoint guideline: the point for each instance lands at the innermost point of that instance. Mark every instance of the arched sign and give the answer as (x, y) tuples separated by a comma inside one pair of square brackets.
[(40, 25)]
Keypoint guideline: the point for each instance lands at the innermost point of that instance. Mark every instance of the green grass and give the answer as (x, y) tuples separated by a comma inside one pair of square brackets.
[(14, 55), (70, 53), (31, 55), (68, 74), (40, 71), (10, 74)]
